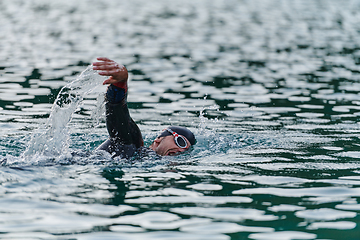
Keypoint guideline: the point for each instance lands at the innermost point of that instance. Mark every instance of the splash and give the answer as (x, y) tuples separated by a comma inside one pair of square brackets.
[(53, 139), (203, 119)]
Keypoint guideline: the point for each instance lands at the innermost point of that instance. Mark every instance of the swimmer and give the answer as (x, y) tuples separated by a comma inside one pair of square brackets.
[(125, 139)]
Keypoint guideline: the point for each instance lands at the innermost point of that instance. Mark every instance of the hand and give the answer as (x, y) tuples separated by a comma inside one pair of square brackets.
[(118, 73)]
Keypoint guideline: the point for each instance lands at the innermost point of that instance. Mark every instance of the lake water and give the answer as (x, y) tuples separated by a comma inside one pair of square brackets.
[(270, 88)]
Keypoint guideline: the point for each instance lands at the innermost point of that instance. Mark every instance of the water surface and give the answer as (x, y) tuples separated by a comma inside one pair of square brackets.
[(270, 88)]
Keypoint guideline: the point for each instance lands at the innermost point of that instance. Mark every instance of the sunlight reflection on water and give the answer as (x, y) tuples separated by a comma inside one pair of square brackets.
[(269, 87)]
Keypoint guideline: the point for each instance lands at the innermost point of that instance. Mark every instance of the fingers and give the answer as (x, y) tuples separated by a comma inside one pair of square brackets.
[(109, 72), (107, 81), (110, 80), (104, 59), (105, 66)]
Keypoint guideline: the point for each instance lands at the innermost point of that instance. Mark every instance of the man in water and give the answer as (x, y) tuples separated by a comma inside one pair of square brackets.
[(125, 136)]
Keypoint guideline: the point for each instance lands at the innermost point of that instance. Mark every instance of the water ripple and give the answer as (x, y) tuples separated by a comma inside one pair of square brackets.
[(270, 89)]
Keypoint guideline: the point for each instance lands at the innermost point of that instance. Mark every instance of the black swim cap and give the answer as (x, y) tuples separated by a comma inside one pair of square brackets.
[(182, 131)]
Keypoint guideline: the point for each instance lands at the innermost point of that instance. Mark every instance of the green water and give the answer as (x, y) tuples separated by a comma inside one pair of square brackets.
[(270, 88)]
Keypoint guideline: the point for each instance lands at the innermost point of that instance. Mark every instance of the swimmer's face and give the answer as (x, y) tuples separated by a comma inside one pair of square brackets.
[(166, 146)]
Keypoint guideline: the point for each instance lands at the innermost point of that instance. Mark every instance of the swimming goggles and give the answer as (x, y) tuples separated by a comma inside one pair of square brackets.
[(179, 140)]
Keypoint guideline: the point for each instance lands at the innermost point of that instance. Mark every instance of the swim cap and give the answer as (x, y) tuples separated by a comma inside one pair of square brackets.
[(182, 131)]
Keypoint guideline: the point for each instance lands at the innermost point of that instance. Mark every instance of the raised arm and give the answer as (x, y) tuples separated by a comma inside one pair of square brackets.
[(125, 136)]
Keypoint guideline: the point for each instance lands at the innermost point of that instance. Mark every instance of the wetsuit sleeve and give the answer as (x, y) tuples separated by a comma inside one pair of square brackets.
[(122, 129)]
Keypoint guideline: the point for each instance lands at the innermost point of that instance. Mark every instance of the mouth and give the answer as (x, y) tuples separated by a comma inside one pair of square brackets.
[(170, 152)]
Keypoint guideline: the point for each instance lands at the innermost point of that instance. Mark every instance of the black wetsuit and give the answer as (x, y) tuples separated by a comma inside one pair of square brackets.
[(125, 137)]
